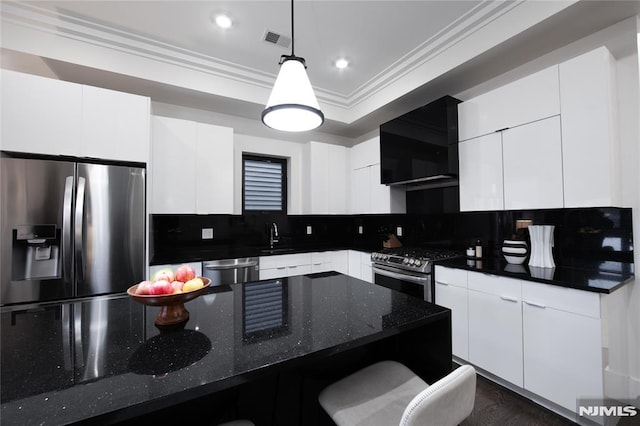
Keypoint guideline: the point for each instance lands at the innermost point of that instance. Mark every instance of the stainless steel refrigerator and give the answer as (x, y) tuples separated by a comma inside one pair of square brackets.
[(69, 229)]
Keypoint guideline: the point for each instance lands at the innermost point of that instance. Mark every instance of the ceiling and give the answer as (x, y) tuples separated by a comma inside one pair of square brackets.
[(402, 53)]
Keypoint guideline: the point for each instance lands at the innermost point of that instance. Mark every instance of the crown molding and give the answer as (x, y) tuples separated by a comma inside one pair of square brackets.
[(121, 49)]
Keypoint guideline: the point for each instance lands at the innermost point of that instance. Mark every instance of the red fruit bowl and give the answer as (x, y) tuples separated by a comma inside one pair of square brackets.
[(172, 310)]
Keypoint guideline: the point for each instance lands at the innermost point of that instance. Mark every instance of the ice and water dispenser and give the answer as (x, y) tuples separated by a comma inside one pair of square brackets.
[(36, 253)]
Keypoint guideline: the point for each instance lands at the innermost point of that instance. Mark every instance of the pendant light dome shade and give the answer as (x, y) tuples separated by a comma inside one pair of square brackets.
[(292, 106)]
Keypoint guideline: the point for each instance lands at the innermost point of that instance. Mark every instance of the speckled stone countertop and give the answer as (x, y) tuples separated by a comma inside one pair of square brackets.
[(102, 359), (597, 277)]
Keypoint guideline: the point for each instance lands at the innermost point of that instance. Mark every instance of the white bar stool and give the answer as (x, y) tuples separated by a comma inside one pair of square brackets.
[(388, 393)]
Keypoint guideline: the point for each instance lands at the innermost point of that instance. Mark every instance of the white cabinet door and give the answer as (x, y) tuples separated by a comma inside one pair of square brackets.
[(495, 326), (337, 180), (481, 181), (192, 167), (115, 125), (455, 298), (340, 261), (532, 159), (360, 191), (589, 140), (528, 99), (365, 153), (562, 355), (326, 189), (40, 115), (354, 264), (173, 189), (268, 274), (214, 178)]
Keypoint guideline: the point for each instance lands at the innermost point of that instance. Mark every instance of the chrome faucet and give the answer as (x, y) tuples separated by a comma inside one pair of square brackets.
[(273, 234)]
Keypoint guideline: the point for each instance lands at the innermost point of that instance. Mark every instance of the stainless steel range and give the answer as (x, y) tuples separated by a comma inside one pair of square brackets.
[(408, 269)]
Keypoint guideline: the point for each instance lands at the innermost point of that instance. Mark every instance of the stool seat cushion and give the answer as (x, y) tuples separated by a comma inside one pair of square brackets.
[(376, 395)]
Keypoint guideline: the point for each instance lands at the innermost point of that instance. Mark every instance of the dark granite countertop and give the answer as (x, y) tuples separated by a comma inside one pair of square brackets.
[(599, 277), (102, 359)]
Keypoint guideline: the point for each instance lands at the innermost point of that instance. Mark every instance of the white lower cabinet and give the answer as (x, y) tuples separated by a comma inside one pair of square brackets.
[(495, 325), (285, 265), (451, 292), (544, 339), (360, 265), (562, 349)]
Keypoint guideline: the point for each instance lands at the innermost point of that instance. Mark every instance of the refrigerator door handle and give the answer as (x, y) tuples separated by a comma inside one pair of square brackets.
[(67, 237), (79, 223)]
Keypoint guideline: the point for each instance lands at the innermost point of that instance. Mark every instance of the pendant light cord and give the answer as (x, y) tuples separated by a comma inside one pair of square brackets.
[(293, 43)]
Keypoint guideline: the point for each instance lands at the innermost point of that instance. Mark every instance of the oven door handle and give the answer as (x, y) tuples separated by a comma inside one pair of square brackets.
[(403, 277)]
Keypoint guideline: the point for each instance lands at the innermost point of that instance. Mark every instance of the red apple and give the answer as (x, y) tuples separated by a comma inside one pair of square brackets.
[(160, 287), (185, 273), (163, 274), (176, 286), (143, 287)]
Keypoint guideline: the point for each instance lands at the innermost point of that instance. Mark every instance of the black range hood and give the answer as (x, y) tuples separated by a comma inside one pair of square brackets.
[(419, 150)]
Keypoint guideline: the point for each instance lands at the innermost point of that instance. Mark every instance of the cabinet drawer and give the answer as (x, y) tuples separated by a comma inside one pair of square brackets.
[(321, 257), (508, 288), (270, 262), (564, 299), (450, 276)]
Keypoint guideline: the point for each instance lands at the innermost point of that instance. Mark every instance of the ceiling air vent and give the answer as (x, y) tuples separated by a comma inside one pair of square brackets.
[(277, 39)]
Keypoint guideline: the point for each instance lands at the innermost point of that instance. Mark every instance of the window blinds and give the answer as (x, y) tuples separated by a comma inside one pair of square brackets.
[(262, 185)]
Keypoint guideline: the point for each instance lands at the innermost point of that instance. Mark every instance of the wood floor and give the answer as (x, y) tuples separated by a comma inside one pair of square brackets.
[(496, 405)]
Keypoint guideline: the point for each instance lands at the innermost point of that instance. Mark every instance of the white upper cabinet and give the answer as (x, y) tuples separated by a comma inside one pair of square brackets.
[(529, 99), (40, 115), (559, 140), (326, 189), (532, 158), (367, 193), (115, 125), (481, 181), (191, 167), (173, 168), (48, 116), (365, 154), (589, 139), (214, 178)]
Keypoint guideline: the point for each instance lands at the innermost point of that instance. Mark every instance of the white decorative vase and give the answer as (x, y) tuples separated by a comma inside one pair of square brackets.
[(541, 246)]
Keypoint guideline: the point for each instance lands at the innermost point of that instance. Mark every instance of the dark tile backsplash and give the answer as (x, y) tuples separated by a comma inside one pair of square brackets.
[(580, 234)]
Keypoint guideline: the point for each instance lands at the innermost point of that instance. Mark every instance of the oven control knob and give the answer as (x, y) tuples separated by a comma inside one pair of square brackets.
[(406, 261), (411, 261), (417, 262)]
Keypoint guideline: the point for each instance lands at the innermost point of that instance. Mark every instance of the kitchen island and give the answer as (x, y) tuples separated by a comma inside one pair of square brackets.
[(103, 361)]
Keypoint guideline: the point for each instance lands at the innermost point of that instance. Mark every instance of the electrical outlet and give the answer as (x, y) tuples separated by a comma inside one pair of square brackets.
[(309, 230), (399, 231), (207, 233), (360, 229)]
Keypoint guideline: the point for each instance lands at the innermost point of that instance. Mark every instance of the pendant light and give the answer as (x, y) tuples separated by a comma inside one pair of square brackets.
[(292, 105)]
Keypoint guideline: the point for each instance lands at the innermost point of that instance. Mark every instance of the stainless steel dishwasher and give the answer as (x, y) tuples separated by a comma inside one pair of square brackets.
[(232, 271)]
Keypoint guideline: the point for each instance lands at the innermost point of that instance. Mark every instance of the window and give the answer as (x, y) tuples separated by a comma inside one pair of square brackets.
[(264, 184)]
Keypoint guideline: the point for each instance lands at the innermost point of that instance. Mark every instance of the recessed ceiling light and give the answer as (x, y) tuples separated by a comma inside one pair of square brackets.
[(342, 63), (223, 21)]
